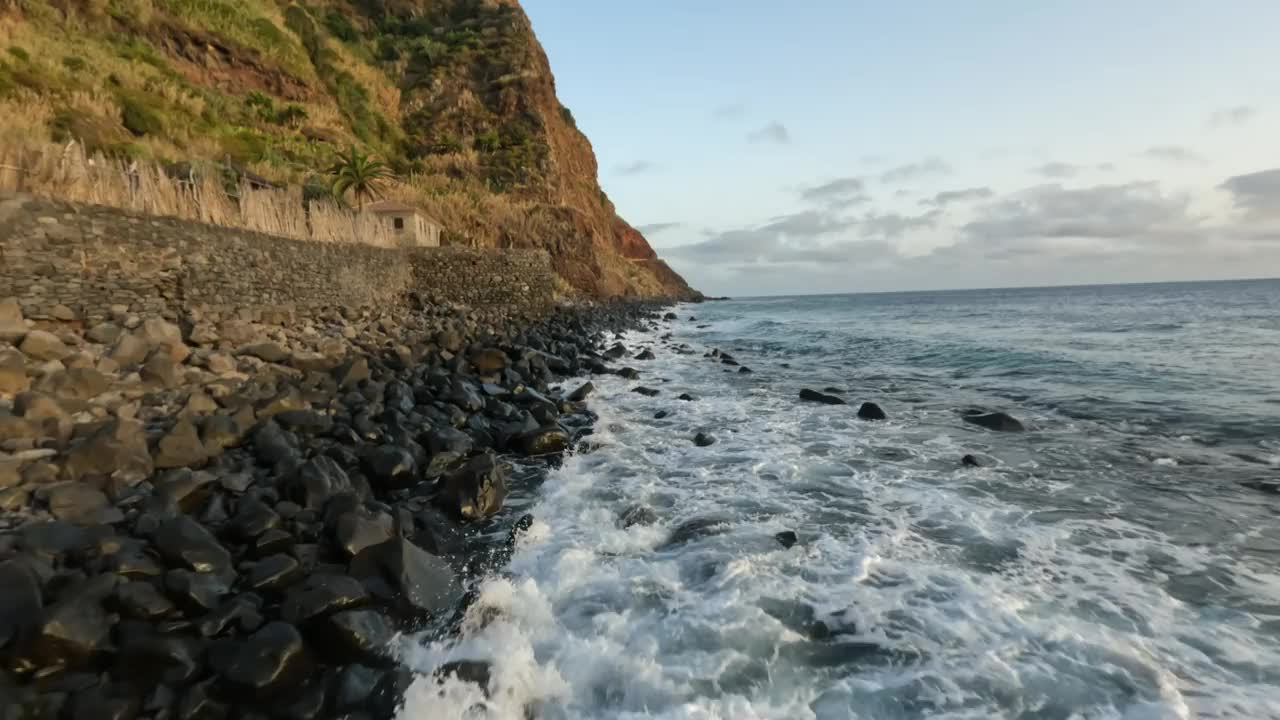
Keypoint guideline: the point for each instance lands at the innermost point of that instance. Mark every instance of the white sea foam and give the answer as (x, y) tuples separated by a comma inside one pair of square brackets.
[(937, 596)]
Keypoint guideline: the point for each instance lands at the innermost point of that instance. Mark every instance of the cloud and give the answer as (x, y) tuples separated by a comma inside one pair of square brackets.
[(943, 199), (1257, 194), (1233, 117), (1057, 170), (914, 171), (1106, 167), (1051, 217), (841, 192), (729, 111), (774, 132), (1173, 154), (638, 167), (873, 159), (891, 226), (655, 228)]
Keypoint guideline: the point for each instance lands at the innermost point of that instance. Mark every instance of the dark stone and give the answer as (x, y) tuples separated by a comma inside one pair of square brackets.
[(419, 582), (81, 504), (661, 414), (199, 703), (646, 391), (998, 421), (273, 445), (197, 592), (470, 671), (269, 662), (361, 528), (306, 702), (464, 395), (871, 411), (21, 605), (241, 614), (1263, 485), (187, 490), (627, 373), (691, 530), (703, 440), (686, 397), (118, 450), (362, 636), (545, 441), (353, 686), (141, 600), (318, 480), (219, 432), (970, 461), (305, 422), (75, 629), (252, 518), (271, 542), (184, 542), (476, 490), (787, 538), (144, 653), (615, 352), (273, 573), (319, 595), (105, 702), (645, 354), (391, 467), (638, 515), (815, 396), (582, 392)]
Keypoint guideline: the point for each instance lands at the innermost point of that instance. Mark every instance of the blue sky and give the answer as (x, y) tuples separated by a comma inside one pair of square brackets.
[(824, 146)]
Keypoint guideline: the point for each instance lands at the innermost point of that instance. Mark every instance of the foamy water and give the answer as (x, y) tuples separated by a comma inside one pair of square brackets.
[(919, 588)]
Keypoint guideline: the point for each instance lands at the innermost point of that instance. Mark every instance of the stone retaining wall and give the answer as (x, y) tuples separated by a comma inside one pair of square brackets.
[(67, 261)]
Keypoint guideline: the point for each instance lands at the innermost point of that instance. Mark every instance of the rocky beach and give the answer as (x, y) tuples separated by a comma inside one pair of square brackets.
[(237, 515)]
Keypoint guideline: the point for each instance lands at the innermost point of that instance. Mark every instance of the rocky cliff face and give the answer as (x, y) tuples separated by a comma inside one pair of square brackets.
[(457, 95)]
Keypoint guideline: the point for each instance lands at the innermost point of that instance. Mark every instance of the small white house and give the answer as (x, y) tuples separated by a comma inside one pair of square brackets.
[(413, 227)]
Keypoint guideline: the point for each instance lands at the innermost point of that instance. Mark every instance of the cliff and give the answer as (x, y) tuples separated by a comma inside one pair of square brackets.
[(456, 95)]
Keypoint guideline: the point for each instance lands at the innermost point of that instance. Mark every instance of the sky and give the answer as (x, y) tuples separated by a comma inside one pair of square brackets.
[(821, 146)]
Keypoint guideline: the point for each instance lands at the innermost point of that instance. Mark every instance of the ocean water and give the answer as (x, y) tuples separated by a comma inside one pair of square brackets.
[(1106, 564)]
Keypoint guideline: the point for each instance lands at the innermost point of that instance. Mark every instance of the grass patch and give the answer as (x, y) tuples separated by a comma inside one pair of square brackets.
[(242, 23)]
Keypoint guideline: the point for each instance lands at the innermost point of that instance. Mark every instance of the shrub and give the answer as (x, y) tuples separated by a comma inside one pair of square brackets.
[(567, 114), (291, 115), (19, 53), (341, 26), (75, 63), (139, 119), (261, 105)]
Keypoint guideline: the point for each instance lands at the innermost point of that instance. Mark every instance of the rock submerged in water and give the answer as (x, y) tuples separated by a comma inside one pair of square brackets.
[(476, 490), (871, 411), (638, 515), (703, 440), (646, 391), (998, 421), (970, 461), (817, 397), (787, 538)]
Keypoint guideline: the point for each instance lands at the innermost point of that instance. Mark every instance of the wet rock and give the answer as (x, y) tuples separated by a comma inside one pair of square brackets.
[(320, 595), (970, 461), (200, 702), (21, 606), (139, 599), (75, 629), (252, 519), (646, 391), (391, 467), (362, 528), (787, 538), (449, 440), (117, 450), (273, 573), (817, 397), (240, 614), (318, 480), (196, 592), (272, 542), (691, 530), (270, 662), (686, 397), (43, 346), (615, 352), (477, 489), (353, 372), (105, 702), (181, 447), (304, 422), (399, 571), (470, 671), (273, 445), (744, 370), (169, 659), (464, 395), (545, 441), (489, 361), (645, 354), (661, 414), (186, 543), (581, 393), (638, 515), (1263, 485), (628, 373), (998, 421), (362, 636), (353, 686), (703, 440), (871, 411), (186, 490)]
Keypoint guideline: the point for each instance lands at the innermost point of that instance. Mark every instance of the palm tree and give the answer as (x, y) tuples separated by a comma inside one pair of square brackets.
[(360, 174)]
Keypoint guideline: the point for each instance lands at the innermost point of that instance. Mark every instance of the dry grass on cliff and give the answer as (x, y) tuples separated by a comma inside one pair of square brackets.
[(66, 172)]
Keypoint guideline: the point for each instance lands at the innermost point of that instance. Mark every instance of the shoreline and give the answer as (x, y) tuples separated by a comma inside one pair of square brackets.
[(228, 519)]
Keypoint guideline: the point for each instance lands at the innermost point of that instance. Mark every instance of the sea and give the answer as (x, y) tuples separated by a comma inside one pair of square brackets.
[(1119, 559)]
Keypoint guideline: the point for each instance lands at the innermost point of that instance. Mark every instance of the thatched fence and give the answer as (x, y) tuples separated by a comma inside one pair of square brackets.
[(67, 172)]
